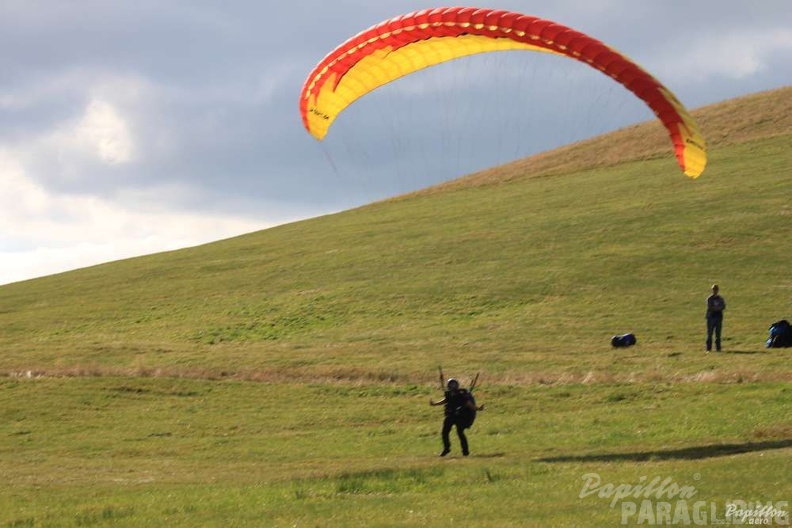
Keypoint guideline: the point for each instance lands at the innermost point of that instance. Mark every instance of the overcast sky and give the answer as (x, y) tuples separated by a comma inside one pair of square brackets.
[(134, 127)]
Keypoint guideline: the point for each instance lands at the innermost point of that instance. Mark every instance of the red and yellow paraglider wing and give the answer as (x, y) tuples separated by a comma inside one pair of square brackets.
[(406, 44)]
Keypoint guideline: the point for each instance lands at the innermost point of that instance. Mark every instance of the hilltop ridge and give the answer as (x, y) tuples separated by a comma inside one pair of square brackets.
[(738, 120)]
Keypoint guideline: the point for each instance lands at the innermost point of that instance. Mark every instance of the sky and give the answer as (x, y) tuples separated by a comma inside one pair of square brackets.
[(139, 126)]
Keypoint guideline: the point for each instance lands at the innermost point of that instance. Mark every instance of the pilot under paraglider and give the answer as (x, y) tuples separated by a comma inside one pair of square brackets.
[(460, 410)]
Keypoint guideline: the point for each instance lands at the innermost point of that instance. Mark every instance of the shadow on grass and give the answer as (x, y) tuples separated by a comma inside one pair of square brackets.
[(744, 352), (687, 453)]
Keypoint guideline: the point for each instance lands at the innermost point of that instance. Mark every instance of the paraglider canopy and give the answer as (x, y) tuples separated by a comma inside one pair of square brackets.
[(414, 41)]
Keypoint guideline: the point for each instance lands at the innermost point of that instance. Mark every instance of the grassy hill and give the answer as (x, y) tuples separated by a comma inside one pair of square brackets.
[(280, 374), (517, 275)]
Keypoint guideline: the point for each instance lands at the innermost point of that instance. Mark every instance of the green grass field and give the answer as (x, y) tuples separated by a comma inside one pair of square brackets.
[(282, 378)]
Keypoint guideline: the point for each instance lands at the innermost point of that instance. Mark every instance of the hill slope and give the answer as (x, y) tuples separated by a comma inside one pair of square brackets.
[(527, 279)]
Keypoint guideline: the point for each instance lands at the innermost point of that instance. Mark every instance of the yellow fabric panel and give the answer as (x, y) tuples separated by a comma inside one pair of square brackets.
[(694, 152), (386, 64)]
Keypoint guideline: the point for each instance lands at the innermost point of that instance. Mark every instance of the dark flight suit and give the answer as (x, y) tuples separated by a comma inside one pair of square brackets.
[(457, 413)]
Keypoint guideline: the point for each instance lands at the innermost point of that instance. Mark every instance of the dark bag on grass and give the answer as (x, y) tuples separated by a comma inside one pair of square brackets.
[(780, 335), (623, 341)]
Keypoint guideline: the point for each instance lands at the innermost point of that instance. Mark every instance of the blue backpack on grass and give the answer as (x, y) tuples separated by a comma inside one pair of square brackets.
[(780, 335), (623, 341)]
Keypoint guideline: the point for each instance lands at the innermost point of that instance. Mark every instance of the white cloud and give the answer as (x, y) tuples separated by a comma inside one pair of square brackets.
[(46, 233), (103, 132), (76, 150), (22, 198), (45, 229), (91, 231)]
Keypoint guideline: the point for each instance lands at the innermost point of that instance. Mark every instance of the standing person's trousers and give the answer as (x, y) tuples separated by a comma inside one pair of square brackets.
[(714, 325)]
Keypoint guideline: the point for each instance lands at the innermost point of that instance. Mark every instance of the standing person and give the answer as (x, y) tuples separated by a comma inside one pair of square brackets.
[(460, 411), (715, 306)]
